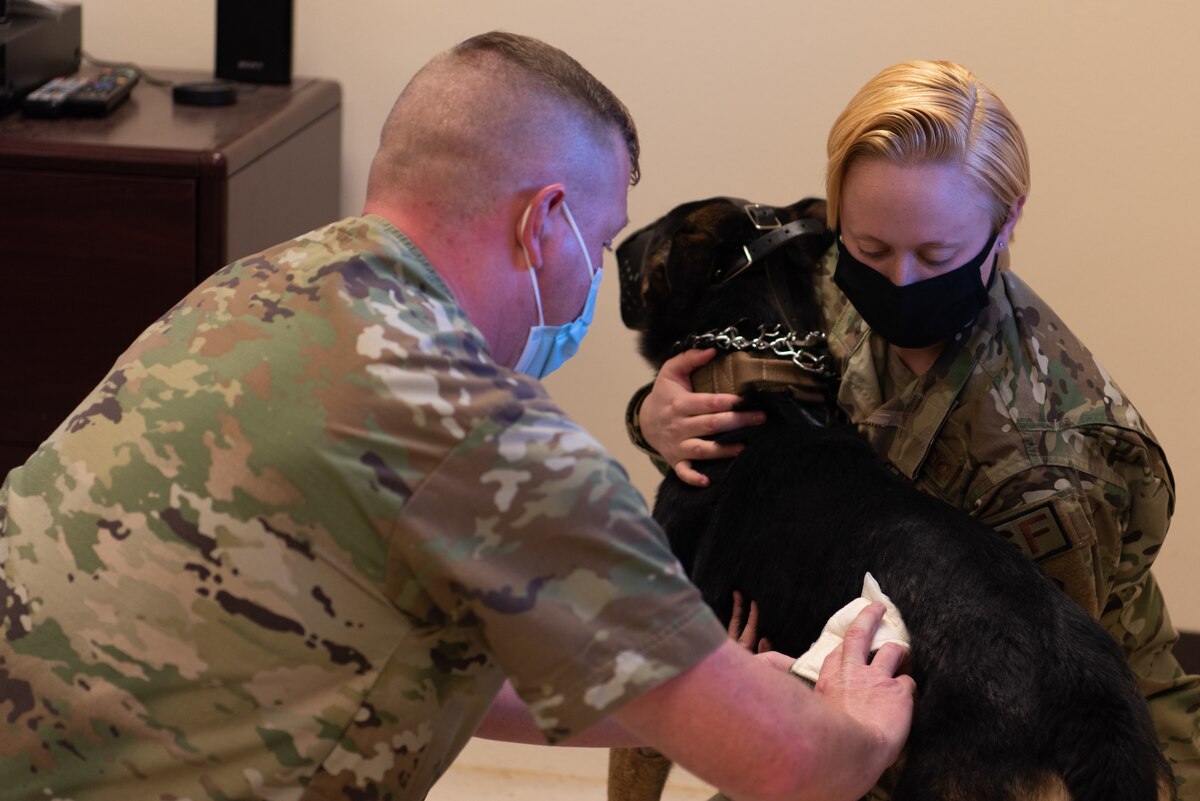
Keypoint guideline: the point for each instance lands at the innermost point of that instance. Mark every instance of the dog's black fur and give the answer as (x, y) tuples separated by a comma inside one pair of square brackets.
[(1020, 694)]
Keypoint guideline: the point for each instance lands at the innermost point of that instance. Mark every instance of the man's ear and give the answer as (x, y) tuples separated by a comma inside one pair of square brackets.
[(531, 227)]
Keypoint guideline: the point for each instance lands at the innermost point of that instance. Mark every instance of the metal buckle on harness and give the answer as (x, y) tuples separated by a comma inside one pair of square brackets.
[(763, 217)]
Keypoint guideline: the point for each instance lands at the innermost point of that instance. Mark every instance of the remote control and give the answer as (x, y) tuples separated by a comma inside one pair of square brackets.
[(101, 93), (49, 99)]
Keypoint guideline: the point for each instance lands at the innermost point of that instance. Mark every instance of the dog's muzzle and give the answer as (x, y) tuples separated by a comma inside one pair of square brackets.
[(633, 256)]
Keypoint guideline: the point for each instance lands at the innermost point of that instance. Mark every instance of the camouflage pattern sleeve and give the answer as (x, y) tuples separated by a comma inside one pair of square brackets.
[(581, 607), (1131, 522), (1097, 539), (633, 427)]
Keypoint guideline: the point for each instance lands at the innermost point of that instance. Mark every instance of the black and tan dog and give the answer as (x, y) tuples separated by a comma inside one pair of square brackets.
[(1020, 694)]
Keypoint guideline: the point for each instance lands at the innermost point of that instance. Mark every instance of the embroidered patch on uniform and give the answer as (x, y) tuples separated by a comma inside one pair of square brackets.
[(941, 468), (1038, 532)]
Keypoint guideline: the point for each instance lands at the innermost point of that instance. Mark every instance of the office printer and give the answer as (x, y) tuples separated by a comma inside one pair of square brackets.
[(39, 40)]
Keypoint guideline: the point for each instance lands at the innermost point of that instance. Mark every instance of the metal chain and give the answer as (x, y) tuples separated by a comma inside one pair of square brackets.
[(807, 351)]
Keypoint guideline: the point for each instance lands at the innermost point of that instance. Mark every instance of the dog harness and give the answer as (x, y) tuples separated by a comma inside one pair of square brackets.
[(773, 358), (765, 219)]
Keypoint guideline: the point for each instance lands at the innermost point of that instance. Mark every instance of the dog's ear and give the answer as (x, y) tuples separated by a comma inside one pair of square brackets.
[(641, 263), (632, 274)]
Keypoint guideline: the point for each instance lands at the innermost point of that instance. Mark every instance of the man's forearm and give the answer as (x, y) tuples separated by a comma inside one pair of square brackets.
[(509, 720), (757, 733)]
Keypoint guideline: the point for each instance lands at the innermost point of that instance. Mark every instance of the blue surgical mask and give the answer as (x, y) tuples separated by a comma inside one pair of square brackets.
[(548, 346)]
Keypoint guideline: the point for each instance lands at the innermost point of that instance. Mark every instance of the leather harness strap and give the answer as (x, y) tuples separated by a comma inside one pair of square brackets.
[(772, 240), (737, 371)]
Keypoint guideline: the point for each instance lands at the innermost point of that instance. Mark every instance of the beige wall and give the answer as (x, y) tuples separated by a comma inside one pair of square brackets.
[(739, 102)]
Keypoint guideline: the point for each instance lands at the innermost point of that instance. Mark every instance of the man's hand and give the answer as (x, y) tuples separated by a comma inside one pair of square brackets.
[(866, 689), (674, 419), (790, 743)]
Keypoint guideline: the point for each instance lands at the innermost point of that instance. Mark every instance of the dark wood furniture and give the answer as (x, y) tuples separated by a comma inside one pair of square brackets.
[(106, 223)]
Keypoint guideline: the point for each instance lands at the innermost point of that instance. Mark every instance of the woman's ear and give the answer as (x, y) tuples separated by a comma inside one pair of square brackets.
[(531, 227), (1014, 214)]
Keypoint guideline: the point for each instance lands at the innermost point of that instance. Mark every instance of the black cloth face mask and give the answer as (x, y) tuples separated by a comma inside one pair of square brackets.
[(919, 314)]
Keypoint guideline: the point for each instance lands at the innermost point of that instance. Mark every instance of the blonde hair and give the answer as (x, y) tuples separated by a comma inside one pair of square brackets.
[(922, 112)]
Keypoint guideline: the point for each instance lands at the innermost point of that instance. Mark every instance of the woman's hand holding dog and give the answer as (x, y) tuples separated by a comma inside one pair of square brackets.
[(674, 419), (743, 629)]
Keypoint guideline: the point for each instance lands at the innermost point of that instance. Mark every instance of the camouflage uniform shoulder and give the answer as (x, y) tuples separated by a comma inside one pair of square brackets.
[(1046, 375)]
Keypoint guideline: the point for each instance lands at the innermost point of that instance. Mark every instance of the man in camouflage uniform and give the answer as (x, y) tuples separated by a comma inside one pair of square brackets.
[(296, 541)]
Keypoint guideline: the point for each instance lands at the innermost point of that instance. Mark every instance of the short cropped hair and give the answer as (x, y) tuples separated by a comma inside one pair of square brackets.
[(931, 112), (564, 76), (495, 114)]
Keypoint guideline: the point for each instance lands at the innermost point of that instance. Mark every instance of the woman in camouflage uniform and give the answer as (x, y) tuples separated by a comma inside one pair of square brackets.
[(963, 378)]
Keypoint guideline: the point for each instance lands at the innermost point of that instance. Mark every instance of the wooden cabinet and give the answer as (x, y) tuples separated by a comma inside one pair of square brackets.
[(106, 223)]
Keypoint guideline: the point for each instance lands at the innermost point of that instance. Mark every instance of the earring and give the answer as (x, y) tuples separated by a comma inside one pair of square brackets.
[(1000, 245)]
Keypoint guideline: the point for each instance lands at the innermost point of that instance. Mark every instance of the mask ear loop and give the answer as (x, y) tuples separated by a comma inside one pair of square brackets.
[(537, 294), (579, 238)]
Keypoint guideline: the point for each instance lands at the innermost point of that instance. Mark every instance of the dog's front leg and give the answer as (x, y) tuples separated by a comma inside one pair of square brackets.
[(636, 774)]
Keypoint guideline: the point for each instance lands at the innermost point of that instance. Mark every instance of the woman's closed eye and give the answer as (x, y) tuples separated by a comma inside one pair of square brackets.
[(937, 258)]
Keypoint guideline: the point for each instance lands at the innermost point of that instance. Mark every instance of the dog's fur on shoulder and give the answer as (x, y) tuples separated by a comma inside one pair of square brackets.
[(1020, 694)]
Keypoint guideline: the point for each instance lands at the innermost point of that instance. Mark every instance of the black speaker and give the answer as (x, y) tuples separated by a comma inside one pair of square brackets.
[(254, 40)]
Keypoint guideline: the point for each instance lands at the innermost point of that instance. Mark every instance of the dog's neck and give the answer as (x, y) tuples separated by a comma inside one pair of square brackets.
[(738, 371)]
